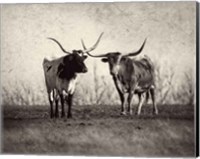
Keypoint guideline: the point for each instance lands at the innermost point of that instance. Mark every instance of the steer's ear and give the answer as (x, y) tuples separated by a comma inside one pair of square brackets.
[(85, 57), (104, 60)]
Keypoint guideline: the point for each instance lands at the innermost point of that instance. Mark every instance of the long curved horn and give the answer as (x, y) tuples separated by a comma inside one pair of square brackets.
[(94, 46), (59, 45), (84, 47), (137, 52)]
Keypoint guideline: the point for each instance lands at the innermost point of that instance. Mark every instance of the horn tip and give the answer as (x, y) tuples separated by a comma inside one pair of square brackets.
[(101, 34), (49, 38)]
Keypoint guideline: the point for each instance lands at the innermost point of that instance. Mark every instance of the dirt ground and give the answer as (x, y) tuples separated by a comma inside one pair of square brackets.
[(100, 131)]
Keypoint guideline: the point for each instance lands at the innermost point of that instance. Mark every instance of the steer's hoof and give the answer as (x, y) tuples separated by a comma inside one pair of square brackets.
[(130, 112), (62, 115), (69, 116), (155, 112), (51, 116), (123, 113)]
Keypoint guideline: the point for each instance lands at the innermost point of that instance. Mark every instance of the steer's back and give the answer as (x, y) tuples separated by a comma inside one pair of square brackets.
[(144, 71)]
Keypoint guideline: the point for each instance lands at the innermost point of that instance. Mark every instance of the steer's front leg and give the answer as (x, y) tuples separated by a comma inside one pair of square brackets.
[(69, 102), (124, 102), (130, 96), (62, 106), (122, 95), (56, 113)]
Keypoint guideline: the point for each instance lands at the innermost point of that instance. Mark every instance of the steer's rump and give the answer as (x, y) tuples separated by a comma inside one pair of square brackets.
[(46, 65)]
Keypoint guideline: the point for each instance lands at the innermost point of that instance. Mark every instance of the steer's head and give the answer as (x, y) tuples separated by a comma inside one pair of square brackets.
[(114, 58), (75, 62), (75, 58)]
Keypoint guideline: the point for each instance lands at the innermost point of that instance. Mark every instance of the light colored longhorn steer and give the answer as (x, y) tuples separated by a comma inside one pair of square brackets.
[(131, 76)]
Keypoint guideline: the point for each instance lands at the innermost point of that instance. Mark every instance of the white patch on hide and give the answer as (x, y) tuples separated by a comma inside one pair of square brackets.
[(65, 94), (51, 95), (71, 86), (152, 86)]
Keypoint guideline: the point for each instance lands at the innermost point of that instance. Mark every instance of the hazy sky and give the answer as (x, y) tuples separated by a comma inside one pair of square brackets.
[(168, 26)]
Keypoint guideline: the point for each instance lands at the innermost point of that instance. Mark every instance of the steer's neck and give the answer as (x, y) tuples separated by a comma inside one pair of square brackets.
[(67, 73)]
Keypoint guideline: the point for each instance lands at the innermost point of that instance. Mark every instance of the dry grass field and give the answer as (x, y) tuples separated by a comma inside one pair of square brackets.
[(99, 131)]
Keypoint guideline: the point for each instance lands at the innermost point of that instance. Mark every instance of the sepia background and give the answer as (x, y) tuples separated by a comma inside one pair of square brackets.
[(97, 128), (169, 28)]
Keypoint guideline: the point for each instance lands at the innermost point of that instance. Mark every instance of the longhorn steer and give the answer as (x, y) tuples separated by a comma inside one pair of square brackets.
[(131, 76), (60, 77)]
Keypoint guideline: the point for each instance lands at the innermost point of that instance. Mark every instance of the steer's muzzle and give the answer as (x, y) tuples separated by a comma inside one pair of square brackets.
[(84, 70), (114, 71)]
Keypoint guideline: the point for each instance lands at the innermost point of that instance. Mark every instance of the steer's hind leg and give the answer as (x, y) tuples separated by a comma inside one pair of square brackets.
[(62, 106), (155, 109), (141, 101), (51, 105)]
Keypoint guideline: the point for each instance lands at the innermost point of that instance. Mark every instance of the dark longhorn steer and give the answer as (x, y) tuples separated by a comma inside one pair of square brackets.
[(131, 77), (60, 77)]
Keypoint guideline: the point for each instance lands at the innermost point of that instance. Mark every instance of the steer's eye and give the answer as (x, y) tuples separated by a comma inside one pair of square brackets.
[(104, 60), (84, 57)]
